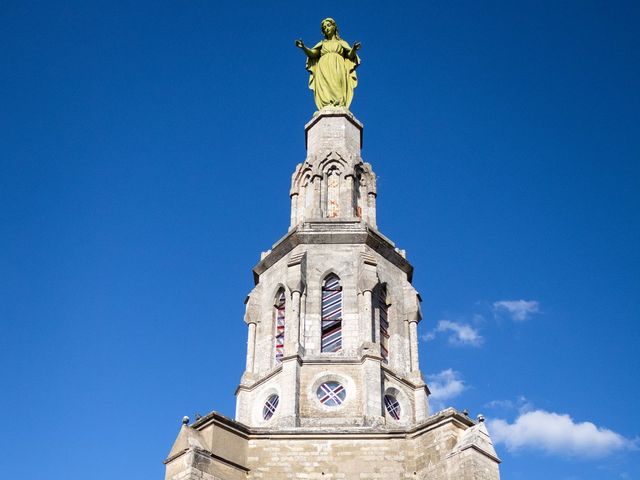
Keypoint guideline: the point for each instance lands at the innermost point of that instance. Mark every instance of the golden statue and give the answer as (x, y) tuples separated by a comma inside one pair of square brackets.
[(332, 64)]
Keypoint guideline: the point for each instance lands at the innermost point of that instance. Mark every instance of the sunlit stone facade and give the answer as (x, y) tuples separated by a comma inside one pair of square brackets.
[(332, 387)]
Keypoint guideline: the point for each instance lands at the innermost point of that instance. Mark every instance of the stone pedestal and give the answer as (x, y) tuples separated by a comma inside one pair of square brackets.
[(333, 182)]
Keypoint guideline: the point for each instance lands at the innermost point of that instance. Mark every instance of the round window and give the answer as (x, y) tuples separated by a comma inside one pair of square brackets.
[(270, 407), (392, 406), (331, 394)]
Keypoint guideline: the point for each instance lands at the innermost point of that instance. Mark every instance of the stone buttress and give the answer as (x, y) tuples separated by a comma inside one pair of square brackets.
[(332, 386)]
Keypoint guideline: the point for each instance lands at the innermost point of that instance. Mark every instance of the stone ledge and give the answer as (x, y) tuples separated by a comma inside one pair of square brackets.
[(449, 415), (331, 232)]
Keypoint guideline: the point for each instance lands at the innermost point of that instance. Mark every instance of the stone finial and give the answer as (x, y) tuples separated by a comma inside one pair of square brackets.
[(465, 412), (480, 418), (185, 420)]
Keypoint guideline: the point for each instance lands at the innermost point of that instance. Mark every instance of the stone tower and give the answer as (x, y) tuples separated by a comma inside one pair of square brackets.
[(332, 387)]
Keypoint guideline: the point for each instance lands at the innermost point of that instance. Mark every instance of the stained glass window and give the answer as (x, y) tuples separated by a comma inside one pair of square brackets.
[(331, 314), (270, 406), (279, 313), (392, 406), (383, 310), (331, 394)]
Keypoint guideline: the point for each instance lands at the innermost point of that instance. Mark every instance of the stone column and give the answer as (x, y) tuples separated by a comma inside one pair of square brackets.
[(414, 315), (346, 197), (294, 210), (251, 318), (367, 280), (367, 327), (296, 274), (251, 347), (421, 404), (290, 390), (371, 209), (292, 334), (302, 334), (413, 345), (372, 392)]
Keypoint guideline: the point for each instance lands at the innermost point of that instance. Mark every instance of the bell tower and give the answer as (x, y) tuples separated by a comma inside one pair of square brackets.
[(333, 317), (332, 387)]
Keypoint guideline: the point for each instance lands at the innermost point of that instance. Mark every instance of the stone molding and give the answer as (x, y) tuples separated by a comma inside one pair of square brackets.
[(334, 232), (437, 420)]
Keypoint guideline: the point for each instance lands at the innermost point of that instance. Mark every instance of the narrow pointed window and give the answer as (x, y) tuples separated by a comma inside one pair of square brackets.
[(333, 193), (331, 314), (383, 310), (279, 316)]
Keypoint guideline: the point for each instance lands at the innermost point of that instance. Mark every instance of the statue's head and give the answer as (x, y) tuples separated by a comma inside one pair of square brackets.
[(329, 26)]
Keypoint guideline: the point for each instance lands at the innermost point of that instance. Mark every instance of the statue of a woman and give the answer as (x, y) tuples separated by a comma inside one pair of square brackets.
[(332, 64)]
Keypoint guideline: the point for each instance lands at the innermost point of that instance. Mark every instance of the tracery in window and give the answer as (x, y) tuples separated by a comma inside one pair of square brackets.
[(270, 406), (393, 407), (331, 394)]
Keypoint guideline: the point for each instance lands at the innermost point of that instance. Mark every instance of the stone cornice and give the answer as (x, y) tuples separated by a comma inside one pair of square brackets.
[(327, 231), (437, 420)]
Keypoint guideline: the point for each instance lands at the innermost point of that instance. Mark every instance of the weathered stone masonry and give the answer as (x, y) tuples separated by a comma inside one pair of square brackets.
[(332, 387)]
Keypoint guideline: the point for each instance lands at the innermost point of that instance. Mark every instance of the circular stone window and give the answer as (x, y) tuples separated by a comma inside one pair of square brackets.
[(270, 407), (393, 406), (331, 394)]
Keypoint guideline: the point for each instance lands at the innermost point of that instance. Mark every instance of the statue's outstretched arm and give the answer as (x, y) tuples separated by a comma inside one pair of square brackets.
[(309, 52), (351, 55)]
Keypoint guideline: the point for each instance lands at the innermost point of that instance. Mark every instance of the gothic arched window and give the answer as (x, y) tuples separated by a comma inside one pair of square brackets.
[(383, 312), (331, 314), (279, 321), (333, 193)]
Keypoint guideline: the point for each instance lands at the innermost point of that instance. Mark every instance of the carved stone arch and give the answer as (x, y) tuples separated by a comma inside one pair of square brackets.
[(328, 272), (333, 165), (302, 193), (332, 157), (302, 177), (276, 290)]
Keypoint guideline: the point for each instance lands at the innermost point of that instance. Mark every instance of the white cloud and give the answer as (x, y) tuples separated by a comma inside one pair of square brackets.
[(500, 404), (463, 334), (521, 404), (518, 310), (557, 434), (444, 386)]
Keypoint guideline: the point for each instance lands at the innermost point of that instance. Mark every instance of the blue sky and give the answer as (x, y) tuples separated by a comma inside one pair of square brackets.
[(146, 150)]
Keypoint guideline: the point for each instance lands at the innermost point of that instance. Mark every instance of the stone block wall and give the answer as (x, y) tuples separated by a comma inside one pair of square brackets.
[(448, 446)]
